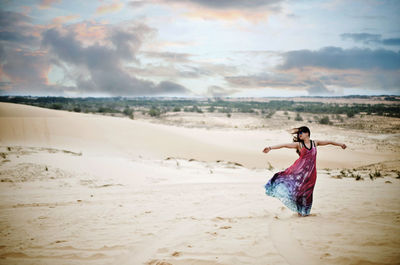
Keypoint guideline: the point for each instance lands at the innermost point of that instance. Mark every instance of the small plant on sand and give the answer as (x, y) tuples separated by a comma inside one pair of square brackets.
[(350, 113), (127, 111), (270, 167), (228, 115), (375, 174), (269, 114), (350, 174), (324, 120), (298, 117), (358, 177), (154, 112), (339, 118)]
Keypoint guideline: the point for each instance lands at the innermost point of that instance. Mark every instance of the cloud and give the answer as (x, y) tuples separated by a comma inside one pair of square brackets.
[(392, 41), (168, 56), (136, 4), (179, 65), (150, 70), (361, 37), (113, 7), (100, 68), (251, 10), (327, 71), (44, 4), (367, 38), (16, 30), (338, 58), (89, 57), (217, 91), (20, 63), (285, 81), (26, 67), (232, 4), (63, 19)]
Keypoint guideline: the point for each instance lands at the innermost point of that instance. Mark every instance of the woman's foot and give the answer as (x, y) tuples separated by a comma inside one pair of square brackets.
[(299, 214)]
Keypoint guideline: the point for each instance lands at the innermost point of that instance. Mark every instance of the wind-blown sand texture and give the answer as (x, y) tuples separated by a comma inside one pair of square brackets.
[(88, 189)]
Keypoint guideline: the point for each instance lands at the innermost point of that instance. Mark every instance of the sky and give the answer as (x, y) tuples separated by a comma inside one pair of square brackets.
[(199, 48)]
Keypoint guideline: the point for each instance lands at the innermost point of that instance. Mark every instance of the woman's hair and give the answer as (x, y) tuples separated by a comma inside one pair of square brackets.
[(297, 131)]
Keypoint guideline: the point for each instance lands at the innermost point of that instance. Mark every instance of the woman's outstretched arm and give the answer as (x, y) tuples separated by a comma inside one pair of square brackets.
[(318, 142), (290, 145)]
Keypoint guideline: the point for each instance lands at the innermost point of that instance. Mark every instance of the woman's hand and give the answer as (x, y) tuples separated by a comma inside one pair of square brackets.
[(267, 149), (343, 146)]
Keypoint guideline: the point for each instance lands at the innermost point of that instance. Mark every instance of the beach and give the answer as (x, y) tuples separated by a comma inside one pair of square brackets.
[(80, 188)]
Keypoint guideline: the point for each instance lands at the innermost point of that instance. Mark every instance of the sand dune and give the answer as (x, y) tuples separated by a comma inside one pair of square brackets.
[(87, 189), (122, 136)]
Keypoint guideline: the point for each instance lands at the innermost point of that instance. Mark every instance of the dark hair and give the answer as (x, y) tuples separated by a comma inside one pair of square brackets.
[(297, 131)]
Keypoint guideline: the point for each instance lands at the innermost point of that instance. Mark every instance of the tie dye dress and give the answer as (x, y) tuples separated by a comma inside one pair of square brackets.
[(295, 185)]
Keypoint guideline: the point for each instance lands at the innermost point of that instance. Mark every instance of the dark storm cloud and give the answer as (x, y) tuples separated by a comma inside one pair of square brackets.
[(338, 58), (27, 67), (16, 29), (102, 65), (367, 38), (18, 59), (9, 18), (28, 52)]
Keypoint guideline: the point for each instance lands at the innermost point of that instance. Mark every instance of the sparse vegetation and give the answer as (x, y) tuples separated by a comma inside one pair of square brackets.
[(117, 104), (375, 174), (269, 114), (324, 120), (350, 174), (154, 112), (298, 117), (357, 116)]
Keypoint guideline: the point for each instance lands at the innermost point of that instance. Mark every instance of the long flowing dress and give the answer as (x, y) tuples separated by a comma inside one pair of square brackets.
[(295, 185)]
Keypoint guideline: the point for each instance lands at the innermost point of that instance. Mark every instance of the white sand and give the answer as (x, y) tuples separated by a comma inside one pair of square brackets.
[(110, 196)]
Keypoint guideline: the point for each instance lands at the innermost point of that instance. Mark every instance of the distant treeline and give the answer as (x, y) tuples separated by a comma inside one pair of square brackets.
[(157, 106)]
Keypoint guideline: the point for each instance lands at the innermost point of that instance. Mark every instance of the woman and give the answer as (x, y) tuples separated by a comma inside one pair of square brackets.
[(295, 185)]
